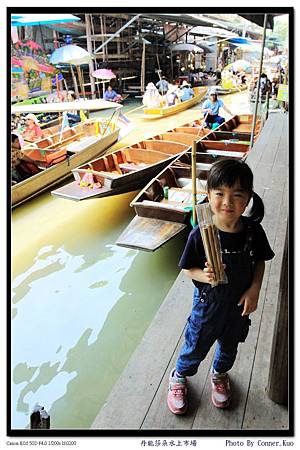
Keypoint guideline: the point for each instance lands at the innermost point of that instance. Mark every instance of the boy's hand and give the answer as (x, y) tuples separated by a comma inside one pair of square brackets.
[(250, 300), (209, 273)]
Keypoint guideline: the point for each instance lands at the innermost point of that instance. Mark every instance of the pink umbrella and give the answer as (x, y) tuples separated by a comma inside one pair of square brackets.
[(103, 74)]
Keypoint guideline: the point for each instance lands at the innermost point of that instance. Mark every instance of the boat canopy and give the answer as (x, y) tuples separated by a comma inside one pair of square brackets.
[(88, 105)]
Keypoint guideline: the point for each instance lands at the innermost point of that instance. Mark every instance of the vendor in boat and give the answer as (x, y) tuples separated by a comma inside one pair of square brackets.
[(211, 109), (187, 91), (172, 95), (33, 131), (162, 86), (21, 166), (111, 96), (152, 98)]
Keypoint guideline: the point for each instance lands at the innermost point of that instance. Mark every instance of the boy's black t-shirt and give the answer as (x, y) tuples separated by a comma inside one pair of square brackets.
[(194, 254)]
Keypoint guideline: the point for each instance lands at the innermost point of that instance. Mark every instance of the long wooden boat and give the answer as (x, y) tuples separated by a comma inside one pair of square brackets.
[(55, 159), (237, 128), (160, 217), (158, 113), (56, 154), (124, 170), (232, 90)]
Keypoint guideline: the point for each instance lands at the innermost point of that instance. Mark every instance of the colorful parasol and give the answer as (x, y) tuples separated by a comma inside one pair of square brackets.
[(240, 65), (71, 54), (103, 74)]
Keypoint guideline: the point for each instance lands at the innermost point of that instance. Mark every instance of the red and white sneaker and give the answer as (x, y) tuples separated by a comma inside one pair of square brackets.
[(177, 394), (221, 392)]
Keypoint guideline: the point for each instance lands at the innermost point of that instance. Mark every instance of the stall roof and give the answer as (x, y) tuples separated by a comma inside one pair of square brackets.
[(187, 19), (259, 18)]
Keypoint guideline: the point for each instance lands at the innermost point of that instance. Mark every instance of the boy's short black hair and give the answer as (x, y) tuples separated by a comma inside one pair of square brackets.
[(227, 172)]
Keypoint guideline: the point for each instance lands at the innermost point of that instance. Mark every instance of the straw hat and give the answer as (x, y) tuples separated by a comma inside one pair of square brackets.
[(32, 117), (150, 86), (185, 83)]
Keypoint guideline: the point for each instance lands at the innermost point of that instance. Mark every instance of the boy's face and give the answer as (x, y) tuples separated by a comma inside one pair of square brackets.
[(228, 203)]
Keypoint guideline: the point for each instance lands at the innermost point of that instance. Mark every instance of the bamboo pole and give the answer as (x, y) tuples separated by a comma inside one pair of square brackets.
[(143, 68), (194, 185), (74, 82), (80, 80), (90, 50), (258, 82), (214, 253)]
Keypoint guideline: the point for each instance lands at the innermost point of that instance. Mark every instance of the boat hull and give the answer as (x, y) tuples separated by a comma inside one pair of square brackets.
[(50, 177), (156, 113)]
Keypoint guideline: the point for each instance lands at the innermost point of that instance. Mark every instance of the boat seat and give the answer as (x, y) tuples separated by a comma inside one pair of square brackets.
[(131, 167), (154, 193)]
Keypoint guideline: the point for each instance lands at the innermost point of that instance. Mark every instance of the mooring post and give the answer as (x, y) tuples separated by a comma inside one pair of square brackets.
[(39, 418)]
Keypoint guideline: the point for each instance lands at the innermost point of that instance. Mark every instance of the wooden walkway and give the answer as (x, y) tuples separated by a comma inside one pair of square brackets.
[(138, 400)]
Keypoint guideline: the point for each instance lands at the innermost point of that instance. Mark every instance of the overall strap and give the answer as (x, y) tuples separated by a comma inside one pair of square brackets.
[(248, 247)]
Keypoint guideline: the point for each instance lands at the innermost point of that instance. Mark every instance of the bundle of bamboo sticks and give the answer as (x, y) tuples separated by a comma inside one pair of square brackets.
[(211, 242)]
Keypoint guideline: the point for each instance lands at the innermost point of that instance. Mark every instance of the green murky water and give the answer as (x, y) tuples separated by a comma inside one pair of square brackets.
[(80, 304)]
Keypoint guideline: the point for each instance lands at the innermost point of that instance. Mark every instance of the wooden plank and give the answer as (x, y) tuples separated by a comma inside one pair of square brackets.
[(158, 416), (140, 380), (148, 234), (274, 140), (268, 415)]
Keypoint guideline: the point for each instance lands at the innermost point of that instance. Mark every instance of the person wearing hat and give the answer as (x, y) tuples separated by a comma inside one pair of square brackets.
[(151, 98), (188, 92), (33, 131), (211, 109), (162, 85), (172, 95)]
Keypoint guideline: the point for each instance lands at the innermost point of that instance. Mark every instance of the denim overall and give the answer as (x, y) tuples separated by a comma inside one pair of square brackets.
[(216, 315)]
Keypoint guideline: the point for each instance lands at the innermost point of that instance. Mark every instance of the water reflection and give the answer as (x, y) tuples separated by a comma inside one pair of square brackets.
[(80, 308)]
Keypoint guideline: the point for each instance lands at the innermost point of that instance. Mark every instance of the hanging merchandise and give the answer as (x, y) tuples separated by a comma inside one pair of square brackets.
[(34, 62)]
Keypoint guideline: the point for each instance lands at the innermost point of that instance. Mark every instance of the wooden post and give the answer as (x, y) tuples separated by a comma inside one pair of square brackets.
[(194, 181), (80, 81), (102, 33), (278, 385), (74, 82), (90, 50), (258, 82), (39, 419), (143, 68)]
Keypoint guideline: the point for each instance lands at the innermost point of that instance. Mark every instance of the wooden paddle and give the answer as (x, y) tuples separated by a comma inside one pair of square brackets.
[(202, 125)]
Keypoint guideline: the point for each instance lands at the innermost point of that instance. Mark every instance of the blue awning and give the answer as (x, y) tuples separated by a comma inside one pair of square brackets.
[(21, 20), (239, 41)]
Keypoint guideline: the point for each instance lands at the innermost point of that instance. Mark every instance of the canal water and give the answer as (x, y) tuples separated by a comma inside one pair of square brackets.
[(80, 303)]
